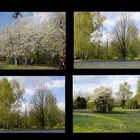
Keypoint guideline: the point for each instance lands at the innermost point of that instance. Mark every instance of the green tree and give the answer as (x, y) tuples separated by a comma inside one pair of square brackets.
[(10, 94), (80, 103), (85, 23), (137, 96), (51, 110), (124, 93)]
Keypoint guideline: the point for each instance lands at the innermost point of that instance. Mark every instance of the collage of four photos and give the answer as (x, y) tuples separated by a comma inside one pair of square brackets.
[(36, 41)]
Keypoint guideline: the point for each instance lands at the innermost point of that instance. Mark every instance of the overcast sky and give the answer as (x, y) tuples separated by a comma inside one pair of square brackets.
[(30, 83), (113, 17), (90, 82)]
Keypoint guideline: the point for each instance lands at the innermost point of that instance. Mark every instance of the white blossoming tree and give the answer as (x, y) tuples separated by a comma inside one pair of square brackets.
[(42, 41), (101, 100)]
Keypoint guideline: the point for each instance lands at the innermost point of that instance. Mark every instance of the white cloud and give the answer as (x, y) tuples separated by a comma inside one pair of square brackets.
[(30, 91), (41, 16), (25, 107), (107, 81), (61, 105), (55, 84), (112, 17), (135, 15)]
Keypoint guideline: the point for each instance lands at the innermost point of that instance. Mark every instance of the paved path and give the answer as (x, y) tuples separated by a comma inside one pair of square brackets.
[(33, 131), (117, 62)]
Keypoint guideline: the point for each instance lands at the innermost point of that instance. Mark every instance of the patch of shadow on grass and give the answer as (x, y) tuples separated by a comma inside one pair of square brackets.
[(116, 112), (111, 112)]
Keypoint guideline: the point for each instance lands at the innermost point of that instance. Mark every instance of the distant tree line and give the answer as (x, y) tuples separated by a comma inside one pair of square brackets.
[(101, 99)]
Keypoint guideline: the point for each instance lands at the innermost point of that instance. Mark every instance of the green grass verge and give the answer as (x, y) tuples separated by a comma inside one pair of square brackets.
[(27, 129), (119, 120), (25, 67)]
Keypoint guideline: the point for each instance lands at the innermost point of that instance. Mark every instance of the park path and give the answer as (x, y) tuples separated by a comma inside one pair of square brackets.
[(115, 62), (33, 131)]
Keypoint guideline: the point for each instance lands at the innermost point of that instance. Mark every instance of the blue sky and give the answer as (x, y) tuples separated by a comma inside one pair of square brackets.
[(6, 18), (112, 18), (30, 83), (87, 84)]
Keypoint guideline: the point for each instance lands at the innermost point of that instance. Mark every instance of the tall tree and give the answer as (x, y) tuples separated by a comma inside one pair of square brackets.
[(44, 107), (85, 23), (10, 94), (124, 93), (125, 37), (39, 106), (52, 110)]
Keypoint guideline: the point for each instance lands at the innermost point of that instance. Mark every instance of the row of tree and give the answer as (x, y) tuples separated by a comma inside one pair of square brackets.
[(42, 41), (101, 100), (43, 111), (122, 43)]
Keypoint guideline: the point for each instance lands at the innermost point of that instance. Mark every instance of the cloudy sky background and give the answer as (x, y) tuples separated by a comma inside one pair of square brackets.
[(30, 83), (6, 18), (112, 18), (90, 82)]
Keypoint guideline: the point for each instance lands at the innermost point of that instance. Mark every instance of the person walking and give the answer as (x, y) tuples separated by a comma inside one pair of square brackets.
[(15, 60), (63, 63), (26, 61)]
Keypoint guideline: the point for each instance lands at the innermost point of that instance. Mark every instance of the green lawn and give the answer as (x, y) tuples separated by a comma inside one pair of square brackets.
[(119, 120), (25, 67)]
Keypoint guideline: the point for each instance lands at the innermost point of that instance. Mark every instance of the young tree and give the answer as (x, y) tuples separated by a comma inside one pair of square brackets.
[(124, 93), (125, 37)]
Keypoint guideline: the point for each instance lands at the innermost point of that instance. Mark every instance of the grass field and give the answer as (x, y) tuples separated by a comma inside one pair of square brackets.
[(119, 120), (25, 67), (106, 65)]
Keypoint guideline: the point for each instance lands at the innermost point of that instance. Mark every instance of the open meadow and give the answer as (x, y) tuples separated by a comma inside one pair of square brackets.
[(119, 120)]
